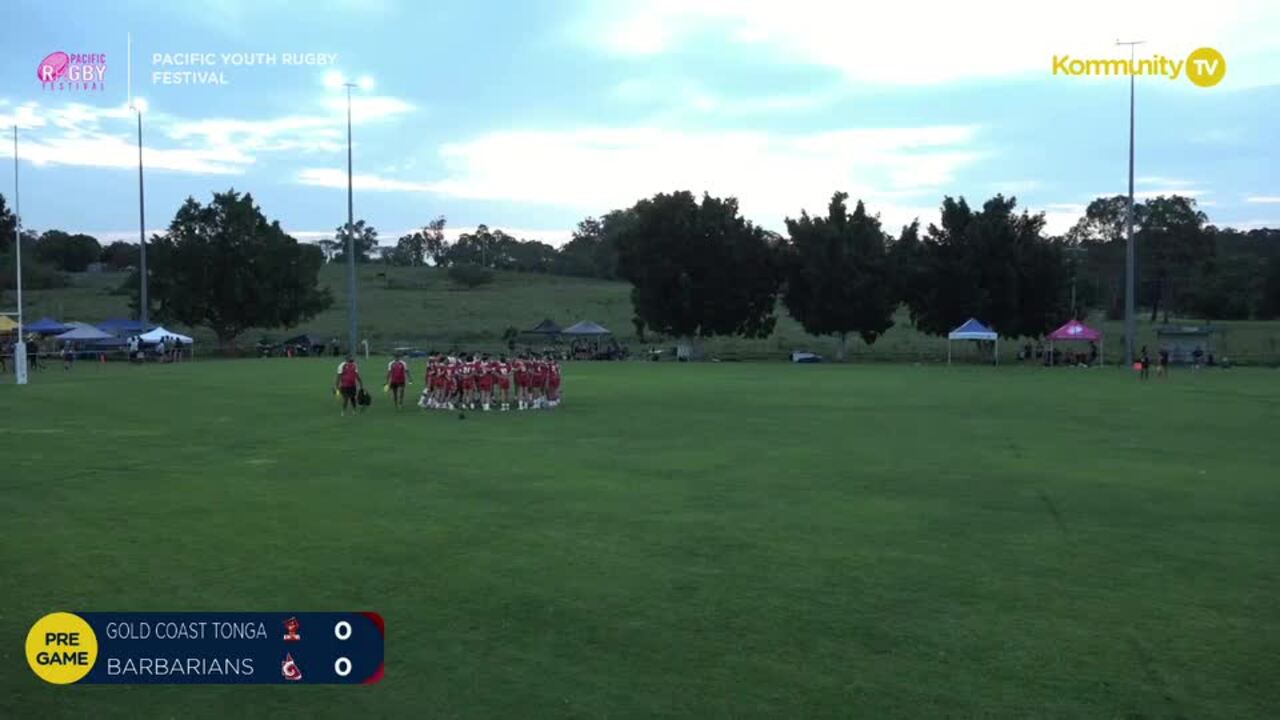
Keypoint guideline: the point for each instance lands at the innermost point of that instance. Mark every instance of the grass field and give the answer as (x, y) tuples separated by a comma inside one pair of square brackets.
[(714, 540), (420, 306)]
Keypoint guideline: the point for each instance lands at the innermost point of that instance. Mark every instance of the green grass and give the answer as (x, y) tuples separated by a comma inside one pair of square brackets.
[(420, 306), (715, 540)]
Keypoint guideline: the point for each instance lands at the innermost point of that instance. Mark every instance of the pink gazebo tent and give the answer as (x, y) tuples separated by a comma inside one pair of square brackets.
[(1076, 331)]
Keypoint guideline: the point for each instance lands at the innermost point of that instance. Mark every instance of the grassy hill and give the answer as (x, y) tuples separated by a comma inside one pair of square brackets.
[(422, 307)]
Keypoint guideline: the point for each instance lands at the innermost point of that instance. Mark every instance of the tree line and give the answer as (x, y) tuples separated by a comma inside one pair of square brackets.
[(699, 269)]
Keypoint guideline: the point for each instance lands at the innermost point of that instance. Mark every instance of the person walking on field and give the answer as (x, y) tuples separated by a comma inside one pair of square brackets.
[(1144, 364), (397, 376), (347, 383)]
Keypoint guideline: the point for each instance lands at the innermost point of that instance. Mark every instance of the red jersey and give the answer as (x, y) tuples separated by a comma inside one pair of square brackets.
[(398, 372), (348, 374)]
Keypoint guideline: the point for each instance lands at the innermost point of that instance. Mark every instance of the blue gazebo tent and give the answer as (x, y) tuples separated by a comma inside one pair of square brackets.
[(586, 328), (83, 332), (972, 329), (121, 327), (46, 326)]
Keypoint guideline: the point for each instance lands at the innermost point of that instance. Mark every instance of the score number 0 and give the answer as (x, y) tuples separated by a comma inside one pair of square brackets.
[(342, 631)]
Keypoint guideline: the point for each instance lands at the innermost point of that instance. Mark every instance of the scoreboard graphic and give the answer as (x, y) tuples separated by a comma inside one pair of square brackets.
[(188, 648)]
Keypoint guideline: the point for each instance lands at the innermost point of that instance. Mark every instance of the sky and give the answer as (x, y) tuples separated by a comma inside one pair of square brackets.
[(529, 116)]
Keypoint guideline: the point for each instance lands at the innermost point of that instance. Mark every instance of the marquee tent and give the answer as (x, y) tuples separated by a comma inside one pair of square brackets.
[(972, 329), (1075, 331), (6, 324), (586, 328), (546, 327), (46, 326), (160, 333), (83, 332), (121, 326)]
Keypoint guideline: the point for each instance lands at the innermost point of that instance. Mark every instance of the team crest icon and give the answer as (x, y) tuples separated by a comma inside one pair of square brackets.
[(291, 630), (289, 669)]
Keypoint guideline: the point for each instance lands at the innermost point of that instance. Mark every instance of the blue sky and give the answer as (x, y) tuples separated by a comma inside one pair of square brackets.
[(531, 115)]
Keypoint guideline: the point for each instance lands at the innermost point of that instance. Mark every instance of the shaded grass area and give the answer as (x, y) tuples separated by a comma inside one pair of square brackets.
[(717, 540)]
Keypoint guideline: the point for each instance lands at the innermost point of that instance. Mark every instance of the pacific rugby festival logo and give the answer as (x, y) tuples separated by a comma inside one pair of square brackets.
[(1205, 66), (60, 71)]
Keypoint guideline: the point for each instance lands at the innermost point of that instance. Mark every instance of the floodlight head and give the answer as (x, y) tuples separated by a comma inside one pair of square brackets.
[(334, 79), (139, 105), (365, 82)]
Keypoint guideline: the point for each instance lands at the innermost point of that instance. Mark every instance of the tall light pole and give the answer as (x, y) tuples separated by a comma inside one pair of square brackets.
[(1130, 322), (139, 105), (336, 79), (19, 347)]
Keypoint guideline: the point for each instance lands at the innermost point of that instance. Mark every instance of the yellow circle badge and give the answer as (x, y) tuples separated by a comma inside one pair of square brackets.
[(61, 648), (1206, 67)]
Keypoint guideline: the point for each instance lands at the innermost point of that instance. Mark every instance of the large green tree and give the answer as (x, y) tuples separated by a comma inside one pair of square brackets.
[(120, 255), (224, 266), (67, 252), (1178, 250), (839, 276), (698, 269), (995, 265)]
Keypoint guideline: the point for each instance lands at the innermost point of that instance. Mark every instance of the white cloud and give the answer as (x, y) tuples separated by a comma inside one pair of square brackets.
[(334, 178), (85, 135), (917, 41), (772, 175), (1263, 199)]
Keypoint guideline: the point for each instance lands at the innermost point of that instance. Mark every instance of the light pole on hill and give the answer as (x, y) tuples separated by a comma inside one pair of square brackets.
[(1130, 322), (336, 79), (139, 106), (20, 346)]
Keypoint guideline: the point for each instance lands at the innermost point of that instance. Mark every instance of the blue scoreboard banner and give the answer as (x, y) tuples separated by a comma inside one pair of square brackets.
[(261, 648)]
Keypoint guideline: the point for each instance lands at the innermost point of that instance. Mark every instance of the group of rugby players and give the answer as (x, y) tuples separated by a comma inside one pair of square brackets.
[(481, 382)]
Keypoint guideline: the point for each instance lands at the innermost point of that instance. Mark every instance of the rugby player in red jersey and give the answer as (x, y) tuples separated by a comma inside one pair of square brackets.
[(468, 369), (484, 381), (520, 376), (347, 383), (553, 383), (502, 374), (397, 376)]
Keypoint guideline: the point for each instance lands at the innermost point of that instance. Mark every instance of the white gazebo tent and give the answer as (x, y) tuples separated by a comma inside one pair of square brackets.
[(974, 330), (161, 333)]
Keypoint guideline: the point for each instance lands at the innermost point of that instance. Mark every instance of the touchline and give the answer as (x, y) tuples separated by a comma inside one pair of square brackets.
[(1157, 65)]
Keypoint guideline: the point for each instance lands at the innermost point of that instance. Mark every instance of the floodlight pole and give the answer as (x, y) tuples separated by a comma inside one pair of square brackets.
[(1130, 321), (352, 317), (19, 346), (144, 312)]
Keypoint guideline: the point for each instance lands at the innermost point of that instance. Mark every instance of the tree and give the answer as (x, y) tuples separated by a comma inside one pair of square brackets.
[(8, 222), (366, 239), (328, 248), (698, 269), (1178, 250), (1101, 235), (839, 274), (994, 265), (225, 266), (120, 255), (433, 241), (593, 249), (1269, 302), (69, 253)]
